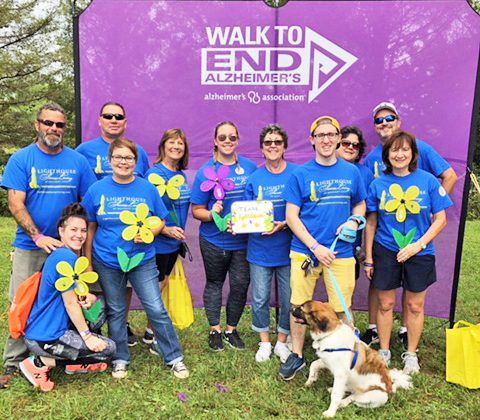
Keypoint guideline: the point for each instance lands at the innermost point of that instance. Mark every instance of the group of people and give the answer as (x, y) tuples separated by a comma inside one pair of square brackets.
[(131, 227)]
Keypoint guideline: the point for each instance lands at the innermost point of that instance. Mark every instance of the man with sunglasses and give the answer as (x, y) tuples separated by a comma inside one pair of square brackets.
[(41, 180), (113, 123), (387, 121)]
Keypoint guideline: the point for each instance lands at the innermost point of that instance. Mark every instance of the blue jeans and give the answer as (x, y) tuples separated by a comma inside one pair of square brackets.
[(144, 280), (261, 288)]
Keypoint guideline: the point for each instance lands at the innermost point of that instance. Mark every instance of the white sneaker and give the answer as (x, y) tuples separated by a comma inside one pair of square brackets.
[(264, 352), (282, 351), (386, 355), (180, 370), (410, 363), (120, 370)]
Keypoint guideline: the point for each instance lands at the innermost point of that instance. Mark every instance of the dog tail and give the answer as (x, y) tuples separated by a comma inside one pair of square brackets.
[(400, 380)]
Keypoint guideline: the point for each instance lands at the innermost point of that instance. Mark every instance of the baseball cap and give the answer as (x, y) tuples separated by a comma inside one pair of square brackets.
[(317, 122), (385, 105)]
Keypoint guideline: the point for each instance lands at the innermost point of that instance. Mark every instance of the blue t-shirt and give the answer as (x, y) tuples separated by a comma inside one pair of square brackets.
[(51, 182), (209, 230), (429, 160), (49, 319), (367, 178), (432, 199), (96, 152), (270, 250), (178, 209), (104, 202), (326, 196)]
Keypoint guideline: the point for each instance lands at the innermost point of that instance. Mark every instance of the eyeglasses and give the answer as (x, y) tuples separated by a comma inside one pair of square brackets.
[(275, 142), (119, 158), (348, 143), (388, 118), (222, 137), (49, 123), (118, 117), (329, 136)]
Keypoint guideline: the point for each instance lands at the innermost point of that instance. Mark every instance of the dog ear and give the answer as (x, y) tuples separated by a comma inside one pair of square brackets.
[(323, 324)]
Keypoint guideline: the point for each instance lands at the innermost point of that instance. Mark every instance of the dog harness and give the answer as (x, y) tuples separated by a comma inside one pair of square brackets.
[(355, 354)]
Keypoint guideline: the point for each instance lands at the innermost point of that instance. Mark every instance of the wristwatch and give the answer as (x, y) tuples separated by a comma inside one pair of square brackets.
[(422, 245)]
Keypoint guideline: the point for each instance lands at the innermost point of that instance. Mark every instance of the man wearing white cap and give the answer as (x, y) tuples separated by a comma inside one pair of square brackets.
[(387, 120)]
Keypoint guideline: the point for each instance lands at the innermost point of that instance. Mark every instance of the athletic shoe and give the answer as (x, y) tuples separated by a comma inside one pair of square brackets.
[(132, 338), (282, 351), (403, 338), (232, 338), (215, 340), (120, 370), (38, 377), (148, 336), (153, 348), (9, 373), (370, 336), (386, 355), (180, 370), (264, 352), (410, 363), (85, 368), (294, 364)]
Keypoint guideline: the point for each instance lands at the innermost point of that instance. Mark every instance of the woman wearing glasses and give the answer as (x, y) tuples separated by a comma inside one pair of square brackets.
[(171, 182), (268, 253), (123, 213), (220, 182)]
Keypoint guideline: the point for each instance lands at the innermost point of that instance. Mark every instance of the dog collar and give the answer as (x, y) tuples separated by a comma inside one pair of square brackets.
[(355, 354)]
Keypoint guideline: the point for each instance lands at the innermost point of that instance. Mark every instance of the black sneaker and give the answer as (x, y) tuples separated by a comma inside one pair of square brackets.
[(403, 338), (215, 340), (148, 337), (370, 336), (294, 364), (8, 375), (233, 340), (132, 338)]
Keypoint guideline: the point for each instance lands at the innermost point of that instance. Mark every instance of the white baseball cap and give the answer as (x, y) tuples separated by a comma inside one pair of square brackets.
[(385, 105)]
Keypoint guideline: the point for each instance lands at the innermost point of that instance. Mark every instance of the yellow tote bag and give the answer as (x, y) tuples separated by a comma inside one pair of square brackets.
[(463, 354), (177, 298)]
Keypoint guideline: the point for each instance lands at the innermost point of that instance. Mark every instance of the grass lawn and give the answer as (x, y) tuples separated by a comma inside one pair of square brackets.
[(250, 390)]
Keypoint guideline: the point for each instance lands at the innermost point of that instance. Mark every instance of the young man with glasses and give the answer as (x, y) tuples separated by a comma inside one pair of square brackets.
[(323, 197), (387, 121), (113, 123), (41, 180)]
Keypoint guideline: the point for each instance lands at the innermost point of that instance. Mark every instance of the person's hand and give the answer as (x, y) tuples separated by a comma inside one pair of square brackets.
[(351, 224), (368, 268), (218, 207), (277, 227), (324, 255), (88, 301), (94, 343), (174, 232), (48, 244), (409, 251)]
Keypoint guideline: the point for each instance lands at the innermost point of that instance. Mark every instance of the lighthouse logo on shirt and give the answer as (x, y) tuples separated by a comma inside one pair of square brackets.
[(271, 55)]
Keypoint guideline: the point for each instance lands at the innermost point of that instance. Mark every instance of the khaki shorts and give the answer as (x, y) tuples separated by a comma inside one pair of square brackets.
[(303, 283)]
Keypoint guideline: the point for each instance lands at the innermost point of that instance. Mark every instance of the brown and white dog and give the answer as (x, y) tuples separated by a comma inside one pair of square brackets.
[(356, 368)]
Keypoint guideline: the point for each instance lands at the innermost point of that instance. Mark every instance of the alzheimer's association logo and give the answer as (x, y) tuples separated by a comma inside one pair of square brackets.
[(272, 55)]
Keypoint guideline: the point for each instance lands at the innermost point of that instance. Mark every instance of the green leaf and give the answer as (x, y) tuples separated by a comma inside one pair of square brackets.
[(173, 215), (221, 222), (409, 236), (123, 259), (135, 260), (93, 314), (401, 240)]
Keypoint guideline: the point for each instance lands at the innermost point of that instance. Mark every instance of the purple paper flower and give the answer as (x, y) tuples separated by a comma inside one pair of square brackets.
[(182, 396), (221, 388), (217, 181)]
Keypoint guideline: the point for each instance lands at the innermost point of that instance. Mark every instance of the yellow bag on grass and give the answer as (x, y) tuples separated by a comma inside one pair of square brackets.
[(463, 354), (177, 298)]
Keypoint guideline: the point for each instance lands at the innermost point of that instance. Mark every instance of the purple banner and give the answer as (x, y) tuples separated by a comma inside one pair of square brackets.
[(191, 64)]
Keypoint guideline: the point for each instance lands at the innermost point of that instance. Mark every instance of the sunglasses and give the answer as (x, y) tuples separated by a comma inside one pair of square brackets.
[(118, 117), (49, 123), (275, 142), (348, 143), (388, 118), (222, 137)]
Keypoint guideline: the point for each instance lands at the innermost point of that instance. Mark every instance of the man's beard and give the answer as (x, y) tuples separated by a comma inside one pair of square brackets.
[(48, 142)]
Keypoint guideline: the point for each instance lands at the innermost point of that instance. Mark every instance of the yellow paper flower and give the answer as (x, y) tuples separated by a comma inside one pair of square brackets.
[(140, 223), (75, 276), (403, 201), (171, 187)]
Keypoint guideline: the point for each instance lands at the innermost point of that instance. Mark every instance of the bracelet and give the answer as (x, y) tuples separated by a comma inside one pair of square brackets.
[(314, 246), (85, 334), (367, 264), (37, 237)]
